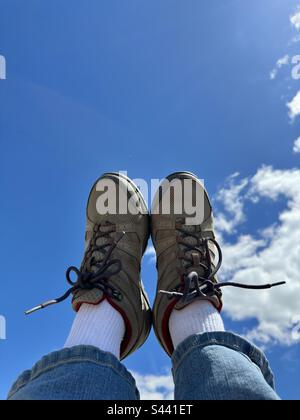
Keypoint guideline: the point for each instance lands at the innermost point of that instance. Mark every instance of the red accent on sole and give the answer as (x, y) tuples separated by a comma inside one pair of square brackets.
[(79, 304)]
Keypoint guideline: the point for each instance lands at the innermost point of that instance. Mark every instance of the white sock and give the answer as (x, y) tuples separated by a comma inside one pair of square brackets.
[(100, 326), (197, 318)]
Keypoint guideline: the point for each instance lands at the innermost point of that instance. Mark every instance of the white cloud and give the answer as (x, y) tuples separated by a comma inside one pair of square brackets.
[(233, 203), (297, 146), (155, 387), (273, 255), (294, 106), (283, 61), (295, 20)]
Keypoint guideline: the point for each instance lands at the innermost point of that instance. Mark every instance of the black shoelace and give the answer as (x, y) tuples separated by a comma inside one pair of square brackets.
[(87, 280), (194, 285)]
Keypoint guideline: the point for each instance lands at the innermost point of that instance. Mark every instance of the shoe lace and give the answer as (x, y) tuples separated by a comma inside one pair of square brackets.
[(95, 272), (196, 285)]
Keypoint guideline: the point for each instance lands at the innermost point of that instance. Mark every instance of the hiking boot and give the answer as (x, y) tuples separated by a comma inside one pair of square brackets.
[(186, 250), (117, 233), (115, 244)]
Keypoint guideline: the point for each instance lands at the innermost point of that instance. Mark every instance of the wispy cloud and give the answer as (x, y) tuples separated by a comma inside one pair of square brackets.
[(283, 61), (270, 256)]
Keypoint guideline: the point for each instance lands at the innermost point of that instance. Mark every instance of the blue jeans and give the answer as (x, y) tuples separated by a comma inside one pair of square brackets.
[(210, 366)]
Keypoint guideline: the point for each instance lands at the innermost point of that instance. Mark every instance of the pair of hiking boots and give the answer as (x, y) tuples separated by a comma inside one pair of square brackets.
[(188, 256), (116, 243)]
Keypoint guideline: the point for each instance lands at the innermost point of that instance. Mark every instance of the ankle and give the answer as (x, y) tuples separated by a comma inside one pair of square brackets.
[(197, 318)]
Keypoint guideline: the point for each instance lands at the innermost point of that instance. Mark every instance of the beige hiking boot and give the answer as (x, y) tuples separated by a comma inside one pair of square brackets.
[(186, 250), (188, 256), (115, 244)]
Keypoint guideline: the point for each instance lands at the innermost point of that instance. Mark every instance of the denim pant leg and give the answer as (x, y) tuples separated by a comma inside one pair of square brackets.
[(221, 366), (78, 373)]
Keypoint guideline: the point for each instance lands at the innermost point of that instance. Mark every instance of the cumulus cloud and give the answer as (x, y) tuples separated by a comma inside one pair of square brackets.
[(155, 387), (283, 61), (297, 146), (233, 204), (272, 255), (294, 106)]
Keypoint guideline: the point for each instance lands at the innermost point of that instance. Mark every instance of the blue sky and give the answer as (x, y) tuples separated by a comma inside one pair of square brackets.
[(148, 87)]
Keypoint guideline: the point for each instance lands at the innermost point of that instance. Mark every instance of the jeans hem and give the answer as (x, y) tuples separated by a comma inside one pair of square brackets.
[(228, 340), (77, 354)]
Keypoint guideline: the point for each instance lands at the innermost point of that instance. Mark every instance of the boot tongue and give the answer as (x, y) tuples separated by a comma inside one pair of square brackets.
[(100, 241), (98, 255)]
